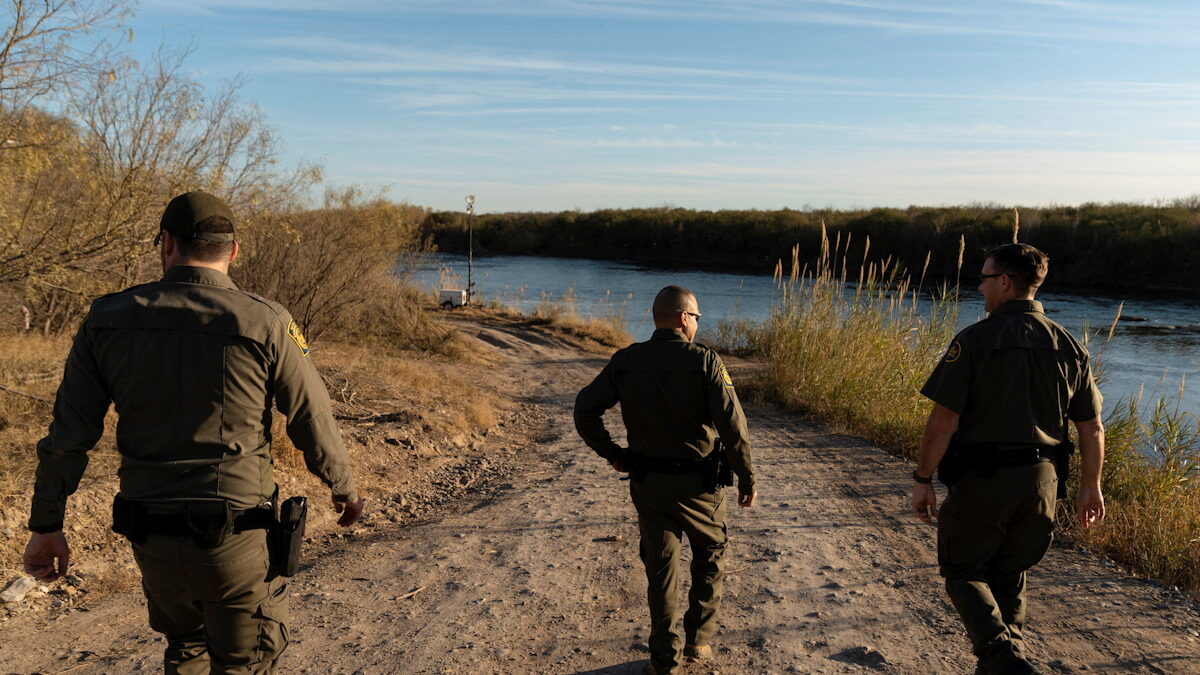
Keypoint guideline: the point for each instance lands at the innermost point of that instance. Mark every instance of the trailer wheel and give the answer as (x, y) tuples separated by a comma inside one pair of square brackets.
[(447, 305)]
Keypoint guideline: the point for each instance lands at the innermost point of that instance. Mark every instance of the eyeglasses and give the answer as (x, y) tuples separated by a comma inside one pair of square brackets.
[(694, 315), (984, 277)]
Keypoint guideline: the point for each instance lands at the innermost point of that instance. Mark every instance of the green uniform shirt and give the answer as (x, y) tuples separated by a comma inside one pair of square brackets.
[(675, 397), (193, 365), (1013, 377)]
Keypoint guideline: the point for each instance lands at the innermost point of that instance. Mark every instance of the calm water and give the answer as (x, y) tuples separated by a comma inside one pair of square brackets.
[(1155, 353)]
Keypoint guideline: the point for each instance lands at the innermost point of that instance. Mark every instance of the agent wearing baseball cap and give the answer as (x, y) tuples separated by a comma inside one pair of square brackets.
[(192, 364)]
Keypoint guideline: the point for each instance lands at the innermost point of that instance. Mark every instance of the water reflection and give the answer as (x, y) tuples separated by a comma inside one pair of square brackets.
[(1156, 349)]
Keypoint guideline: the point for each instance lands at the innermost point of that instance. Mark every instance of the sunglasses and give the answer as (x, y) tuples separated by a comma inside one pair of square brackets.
[(694, 315)]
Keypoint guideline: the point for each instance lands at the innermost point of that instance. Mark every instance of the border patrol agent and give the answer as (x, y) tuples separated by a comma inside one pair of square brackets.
[(193, 365), (1002, 394), (676, 399)]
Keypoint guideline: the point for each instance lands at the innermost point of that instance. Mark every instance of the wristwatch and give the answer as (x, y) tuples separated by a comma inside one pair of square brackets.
[(923, 480)]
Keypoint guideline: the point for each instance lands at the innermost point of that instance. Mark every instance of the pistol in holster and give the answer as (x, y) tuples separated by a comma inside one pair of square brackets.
[(1062, 465), (720, 472), (953, 466), (286, 537)]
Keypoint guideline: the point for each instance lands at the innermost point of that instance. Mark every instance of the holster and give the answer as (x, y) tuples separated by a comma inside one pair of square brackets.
[(718, 472), (126, 521), (1062, 465), (953, 466), (287, 537)]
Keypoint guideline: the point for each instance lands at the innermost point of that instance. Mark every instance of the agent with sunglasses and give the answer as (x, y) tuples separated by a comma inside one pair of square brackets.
[(193, 365), (1002, 396), (683, 421)]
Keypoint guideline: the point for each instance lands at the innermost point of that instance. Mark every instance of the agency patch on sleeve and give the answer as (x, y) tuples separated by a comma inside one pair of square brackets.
[(297, 337), (953, 352), (726, 378)]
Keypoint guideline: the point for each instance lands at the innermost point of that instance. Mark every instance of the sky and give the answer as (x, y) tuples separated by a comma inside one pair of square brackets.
[(547, 105)]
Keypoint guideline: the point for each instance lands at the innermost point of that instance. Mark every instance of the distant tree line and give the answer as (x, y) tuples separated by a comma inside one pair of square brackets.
[(1101, 246)]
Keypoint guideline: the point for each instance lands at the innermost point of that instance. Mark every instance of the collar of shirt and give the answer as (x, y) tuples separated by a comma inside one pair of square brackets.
[(670, 334), (187, 274), (1018, 306)]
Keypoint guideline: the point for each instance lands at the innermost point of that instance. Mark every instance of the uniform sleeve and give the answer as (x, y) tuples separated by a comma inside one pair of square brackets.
[(79, 409), (1086, 403), (590, 405), (300, 395), (726, 413), (950, 382)]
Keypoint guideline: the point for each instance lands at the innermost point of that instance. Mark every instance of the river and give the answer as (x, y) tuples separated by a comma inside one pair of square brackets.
[(1154, 352)]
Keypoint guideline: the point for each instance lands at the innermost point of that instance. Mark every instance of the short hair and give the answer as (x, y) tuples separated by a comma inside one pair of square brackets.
[(1024, 264), (669, 302), (203, 250)]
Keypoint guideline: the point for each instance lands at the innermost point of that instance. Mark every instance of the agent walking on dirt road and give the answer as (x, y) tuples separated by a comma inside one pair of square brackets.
[(193, 365), (1002, 395), (676, 399)]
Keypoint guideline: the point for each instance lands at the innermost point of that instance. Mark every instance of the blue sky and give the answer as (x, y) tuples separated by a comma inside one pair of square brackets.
[(708, 104)]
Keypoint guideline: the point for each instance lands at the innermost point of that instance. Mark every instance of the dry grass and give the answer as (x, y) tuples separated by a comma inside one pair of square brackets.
[(852, 354), (32, 365), (606, 331), (1152, 483)]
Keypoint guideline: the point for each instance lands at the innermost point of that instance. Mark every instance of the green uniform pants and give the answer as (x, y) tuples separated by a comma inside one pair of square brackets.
[(990, 531), (215, 606), (668, 506)]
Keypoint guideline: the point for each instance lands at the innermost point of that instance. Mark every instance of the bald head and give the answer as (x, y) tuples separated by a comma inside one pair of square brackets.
[(669, 302)]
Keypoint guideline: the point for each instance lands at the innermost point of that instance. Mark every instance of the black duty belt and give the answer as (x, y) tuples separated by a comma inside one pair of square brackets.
[(649, 464), (177, 524), (1024, 456)]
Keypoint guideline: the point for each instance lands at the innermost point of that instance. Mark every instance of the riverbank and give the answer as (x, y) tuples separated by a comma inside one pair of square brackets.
[(531, 564), (1112, 247)]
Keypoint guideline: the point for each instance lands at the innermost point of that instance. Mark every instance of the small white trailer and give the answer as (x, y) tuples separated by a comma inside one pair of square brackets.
[(450, 298)]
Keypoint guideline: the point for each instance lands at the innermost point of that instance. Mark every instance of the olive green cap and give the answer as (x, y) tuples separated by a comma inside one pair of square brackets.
[(186, 215)]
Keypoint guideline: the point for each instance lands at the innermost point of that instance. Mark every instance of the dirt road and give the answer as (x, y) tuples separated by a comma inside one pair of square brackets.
[(536, 572)]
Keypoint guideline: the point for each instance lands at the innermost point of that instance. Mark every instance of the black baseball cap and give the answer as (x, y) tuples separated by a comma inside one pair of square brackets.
[(198, 215)]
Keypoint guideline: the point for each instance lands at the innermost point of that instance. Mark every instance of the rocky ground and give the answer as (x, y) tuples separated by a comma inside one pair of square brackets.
[(518, 555)]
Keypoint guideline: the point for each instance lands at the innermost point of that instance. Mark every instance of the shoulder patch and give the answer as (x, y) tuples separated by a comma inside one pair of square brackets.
[(297, 337), (953, 353), (725, 378)]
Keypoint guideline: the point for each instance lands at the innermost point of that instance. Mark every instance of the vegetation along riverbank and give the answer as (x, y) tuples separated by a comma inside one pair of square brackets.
[(1092, 246)]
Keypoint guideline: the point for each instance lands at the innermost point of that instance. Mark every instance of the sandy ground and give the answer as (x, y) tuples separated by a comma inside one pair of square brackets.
[(534, 570)]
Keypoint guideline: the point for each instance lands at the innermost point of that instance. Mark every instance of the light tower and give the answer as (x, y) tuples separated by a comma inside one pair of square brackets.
[(470, 246)]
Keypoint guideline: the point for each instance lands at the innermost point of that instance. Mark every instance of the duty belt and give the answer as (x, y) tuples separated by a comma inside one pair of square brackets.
[(207, 522), (177, 524), (1024, 456), (648, 464)]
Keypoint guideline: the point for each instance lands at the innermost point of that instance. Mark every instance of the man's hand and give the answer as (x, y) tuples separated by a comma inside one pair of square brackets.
[(746, 501), (43, 551), (1090, 506), (617, 466), (351, 511), (924, 503)]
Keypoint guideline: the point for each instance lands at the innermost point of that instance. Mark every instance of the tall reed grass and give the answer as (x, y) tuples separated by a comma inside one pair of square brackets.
[(853, 351), (1152, 483)]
